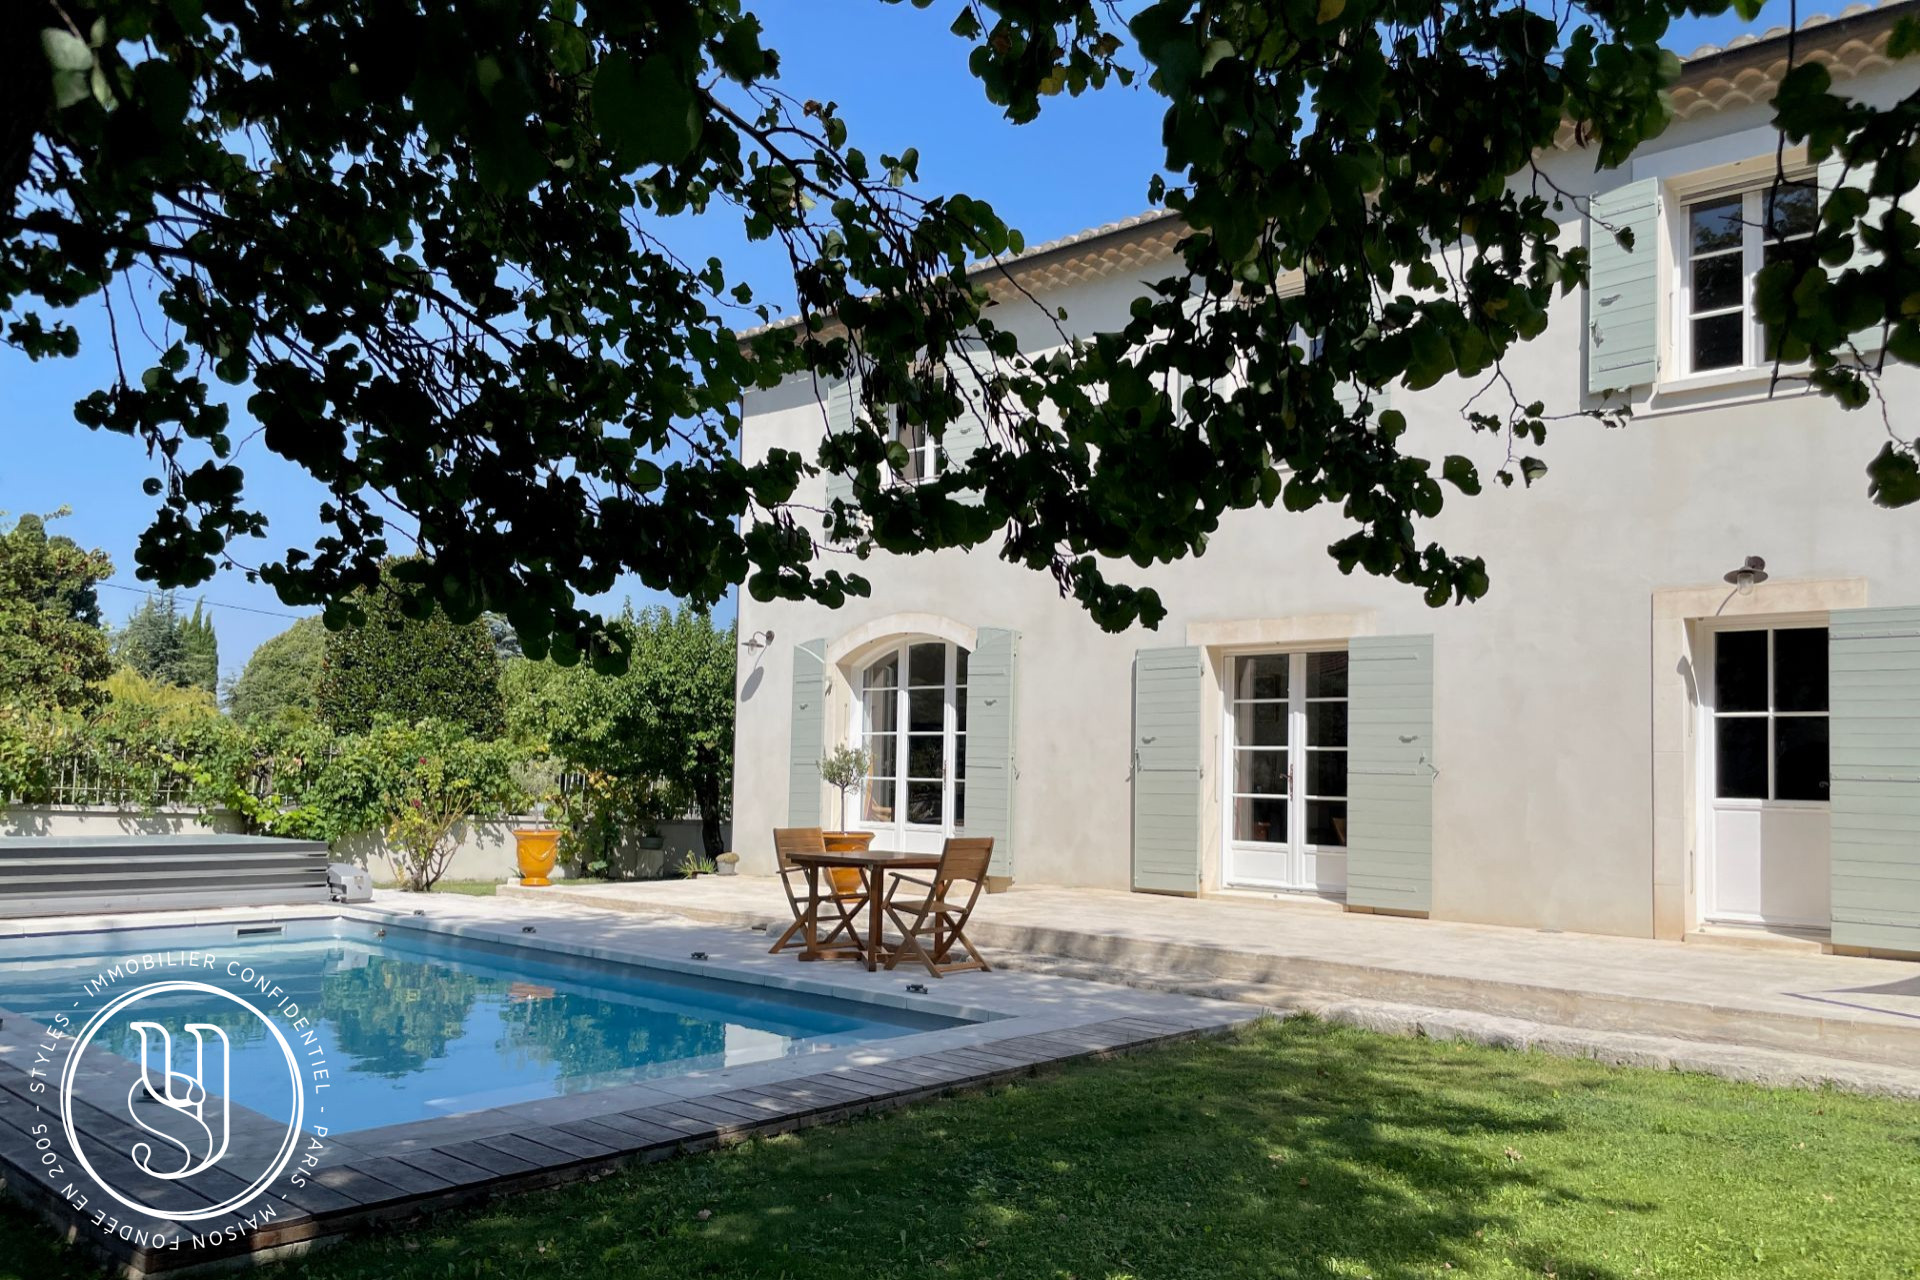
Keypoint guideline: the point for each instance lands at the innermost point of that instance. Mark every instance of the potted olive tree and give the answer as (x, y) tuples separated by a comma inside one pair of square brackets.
[(536, 849), (844, 770)]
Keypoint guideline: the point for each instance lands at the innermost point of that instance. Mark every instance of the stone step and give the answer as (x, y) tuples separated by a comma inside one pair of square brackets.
[(1774, 1067), (1825, 1031)]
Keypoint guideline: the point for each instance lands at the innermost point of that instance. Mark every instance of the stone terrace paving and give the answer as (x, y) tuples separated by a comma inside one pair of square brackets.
[(1781, 1013)]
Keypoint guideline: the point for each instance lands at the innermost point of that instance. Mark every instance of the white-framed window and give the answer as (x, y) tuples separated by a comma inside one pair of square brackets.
[(1770, 715), (1725, 238), (913, 724), (925, 457), (1288, 772)]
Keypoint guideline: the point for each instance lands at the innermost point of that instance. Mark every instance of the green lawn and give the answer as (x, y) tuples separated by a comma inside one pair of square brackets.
[(1295, 1150), (472, 888)]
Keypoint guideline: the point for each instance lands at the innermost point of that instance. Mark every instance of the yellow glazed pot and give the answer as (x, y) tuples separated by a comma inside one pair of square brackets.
[(846, 879), (537, 852)]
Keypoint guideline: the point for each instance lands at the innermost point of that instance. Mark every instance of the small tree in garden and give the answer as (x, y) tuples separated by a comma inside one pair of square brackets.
[(843, 770), (445, 780), (422, 834), (652, 741)]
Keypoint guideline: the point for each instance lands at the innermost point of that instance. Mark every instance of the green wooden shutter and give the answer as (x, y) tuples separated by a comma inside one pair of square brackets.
[(1623, 288), (1166, 770), (989, 742), (842, 398), (1390, 772), (808, 737), (967, 434), (1874, 691)]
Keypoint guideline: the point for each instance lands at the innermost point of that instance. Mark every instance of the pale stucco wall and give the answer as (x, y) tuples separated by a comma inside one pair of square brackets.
[(485, 852), (1545, 691)]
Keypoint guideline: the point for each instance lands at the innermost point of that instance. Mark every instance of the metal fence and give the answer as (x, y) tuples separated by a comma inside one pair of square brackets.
[(91, 781), (88, 781)]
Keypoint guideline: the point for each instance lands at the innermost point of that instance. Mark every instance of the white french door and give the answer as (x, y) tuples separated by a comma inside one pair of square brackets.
[(1285, 778), (912, 722), (1765, 775)]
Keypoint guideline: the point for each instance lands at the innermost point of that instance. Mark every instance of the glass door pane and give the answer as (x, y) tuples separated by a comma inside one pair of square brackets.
[(1262, 758), (880, 737), (958, 805), (1770, 715), (1324, 767), (926, 714)]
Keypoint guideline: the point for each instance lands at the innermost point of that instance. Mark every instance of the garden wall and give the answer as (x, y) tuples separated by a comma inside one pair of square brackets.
[(485, 853)]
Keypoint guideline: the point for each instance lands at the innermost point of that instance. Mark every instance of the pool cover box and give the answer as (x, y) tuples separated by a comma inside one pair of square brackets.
[(78, 875)]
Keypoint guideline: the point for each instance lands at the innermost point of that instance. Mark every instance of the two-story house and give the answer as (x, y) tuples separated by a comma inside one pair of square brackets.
[(1633, 733)]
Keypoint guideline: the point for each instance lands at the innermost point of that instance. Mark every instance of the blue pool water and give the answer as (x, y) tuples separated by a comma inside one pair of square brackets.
[(419, 1024)]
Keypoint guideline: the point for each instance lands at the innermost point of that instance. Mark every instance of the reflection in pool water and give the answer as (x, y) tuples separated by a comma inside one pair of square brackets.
[(418, 1024)]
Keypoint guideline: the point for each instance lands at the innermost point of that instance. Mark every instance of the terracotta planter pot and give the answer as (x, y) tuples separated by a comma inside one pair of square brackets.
[(536, 851), (846, 879)]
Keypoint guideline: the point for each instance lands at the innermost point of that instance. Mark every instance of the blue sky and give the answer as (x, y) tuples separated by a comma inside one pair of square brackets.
[(900, 79)]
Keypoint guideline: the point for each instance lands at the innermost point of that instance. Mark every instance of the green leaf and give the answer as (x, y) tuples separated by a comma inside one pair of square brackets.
[(70, 87), (1893, 477), (1461, 473), (648, 113), (66, 51)]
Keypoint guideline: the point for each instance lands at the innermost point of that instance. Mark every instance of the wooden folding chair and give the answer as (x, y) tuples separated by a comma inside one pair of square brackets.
[(836, 911), (932, 917)]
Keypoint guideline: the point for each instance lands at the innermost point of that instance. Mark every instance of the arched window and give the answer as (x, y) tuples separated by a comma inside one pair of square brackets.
[(912, 721)]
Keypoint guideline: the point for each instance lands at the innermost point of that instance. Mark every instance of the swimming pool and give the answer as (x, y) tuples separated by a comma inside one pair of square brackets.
[(417, 1024)]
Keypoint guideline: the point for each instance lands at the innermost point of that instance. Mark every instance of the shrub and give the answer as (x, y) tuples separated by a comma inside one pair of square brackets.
[(409, 669), (282, 676), (440, 781)]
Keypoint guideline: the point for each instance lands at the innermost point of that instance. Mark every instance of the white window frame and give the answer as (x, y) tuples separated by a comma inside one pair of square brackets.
[(1712, 715), (1297, 845), (1681, 200), (951, 741), (925, 460)]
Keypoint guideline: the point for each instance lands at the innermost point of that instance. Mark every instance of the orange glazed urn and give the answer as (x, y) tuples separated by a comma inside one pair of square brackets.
[(846, 879), (537, 851)]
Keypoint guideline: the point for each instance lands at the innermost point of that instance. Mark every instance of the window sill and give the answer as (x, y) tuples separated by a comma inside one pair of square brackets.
[(1721, 388)]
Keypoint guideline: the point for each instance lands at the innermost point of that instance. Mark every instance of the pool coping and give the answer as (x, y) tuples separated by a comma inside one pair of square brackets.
[(1020, 1024)]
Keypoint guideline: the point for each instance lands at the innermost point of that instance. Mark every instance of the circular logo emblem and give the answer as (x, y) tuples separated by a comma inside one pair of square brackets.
[(147, 1099)]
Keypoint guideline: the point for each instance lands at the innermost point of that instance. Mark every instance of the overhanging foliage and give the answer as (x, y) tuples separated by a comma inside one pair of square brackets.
[(430, 239)]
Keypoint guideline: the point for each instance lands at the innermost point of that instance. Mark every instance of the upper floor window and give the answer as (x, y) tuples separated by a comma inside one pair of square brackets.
[(1728, 239), (925, 457)]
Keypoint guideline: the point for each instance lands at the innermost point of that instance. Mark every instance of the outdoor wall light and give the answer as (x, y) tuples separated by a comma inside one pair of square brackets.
[(758, 640), (1747, 575)]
